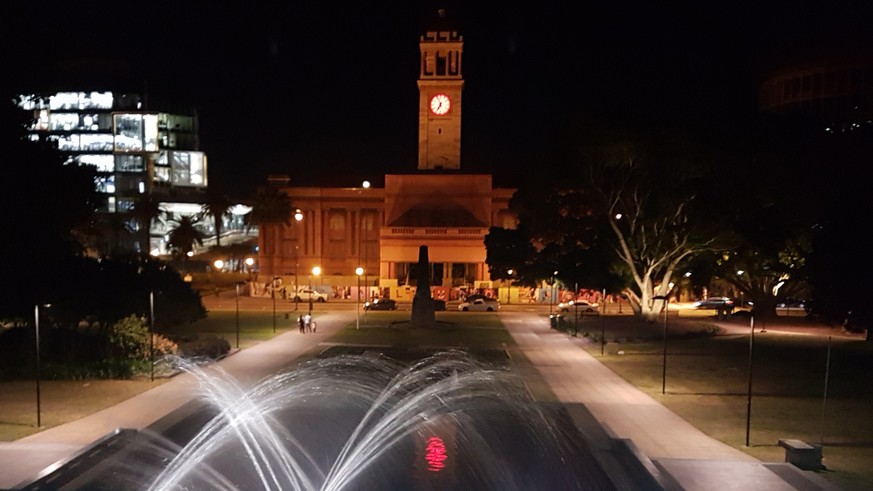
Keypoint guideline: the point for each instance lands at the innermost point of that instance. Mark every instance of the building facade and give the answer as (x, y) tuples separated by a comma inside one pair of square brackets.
[(136, 152), (381, 229)]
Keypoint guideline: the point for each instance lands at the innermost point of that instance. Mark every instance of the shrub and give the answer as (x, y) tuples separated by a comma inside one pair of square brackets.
[(211, 346), (129, 338)]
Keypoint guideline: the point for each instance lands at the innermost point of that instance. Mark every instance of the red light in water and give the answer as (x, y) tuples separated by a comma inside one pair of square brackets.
[(436, 454)]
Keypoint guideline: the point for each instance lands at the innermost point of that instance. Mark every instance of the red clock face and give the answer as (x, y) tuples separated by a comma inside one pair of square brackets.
[(440, 104)]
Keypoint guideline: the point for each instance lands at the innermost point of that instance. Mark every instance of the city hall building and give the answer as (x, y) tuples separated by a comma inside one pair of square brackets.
[(381, 229)]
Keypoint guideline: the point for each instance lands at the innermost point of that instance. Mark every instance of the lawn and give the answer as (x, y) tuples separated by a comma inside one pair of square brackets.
[(707, 382)]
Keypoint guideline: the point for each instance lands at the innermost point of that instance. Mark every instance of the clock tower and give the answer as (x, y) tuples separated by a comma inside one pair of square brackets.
[(439, 100)]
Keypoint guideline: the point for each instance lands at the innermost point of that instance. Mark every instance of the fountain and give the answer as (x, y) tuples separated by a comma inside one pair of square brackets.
[(361, 422)]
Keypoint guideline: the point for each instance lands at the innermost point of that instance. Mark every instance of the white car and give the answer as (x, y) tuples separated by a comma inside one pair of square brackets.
[(304, 294), (480, 305), (577, 305)]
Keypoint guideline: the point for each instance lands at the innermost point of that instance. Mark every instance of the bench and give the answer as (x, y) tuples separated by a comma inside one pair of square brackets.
[(801, 454)]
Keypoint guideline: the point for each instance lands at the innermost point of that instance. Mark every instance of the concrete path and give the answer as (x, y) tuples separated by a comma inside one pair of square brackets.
[(682, 456)]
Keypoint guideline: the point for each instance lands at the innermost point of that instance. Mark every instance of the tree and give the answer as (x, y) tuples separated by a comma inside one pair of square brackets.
[(271, 210), (45, 202), (217, 206), (146, 210), (185, 235), (638, 196), (511, 249)]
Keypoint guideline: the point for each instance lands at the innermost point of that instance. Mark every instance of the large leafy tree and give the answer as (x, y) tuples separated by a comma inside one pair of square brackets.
[(45, 202), (641, 197), (511, 250), (271, 211)]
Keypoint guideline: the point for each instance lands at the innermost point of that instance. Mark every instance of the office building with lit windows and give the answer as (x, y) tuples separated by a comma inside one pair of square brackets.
[(135, 150)]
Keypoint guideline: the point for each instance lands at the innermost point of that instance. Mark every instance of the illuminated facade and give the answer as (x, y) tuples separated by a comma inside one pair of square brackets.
[(381, 229), (135, 151)]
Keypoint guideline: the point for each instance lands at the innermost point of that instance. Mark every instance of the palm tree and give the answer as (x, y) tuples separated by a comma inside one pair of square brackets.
[(217, 206), (185, 235), (146, 210), (271, 207)]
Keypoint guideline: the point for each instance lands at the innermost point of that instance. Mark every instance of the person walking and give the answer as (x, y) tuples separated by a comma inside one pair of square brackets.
[(307, 322), (301, 324)]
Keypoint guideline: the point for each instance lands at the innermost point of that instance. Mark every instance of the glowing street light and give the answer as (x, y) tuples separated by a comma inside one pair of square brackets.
[(298, 215), (358, 272), (553, 292), (219, 264)]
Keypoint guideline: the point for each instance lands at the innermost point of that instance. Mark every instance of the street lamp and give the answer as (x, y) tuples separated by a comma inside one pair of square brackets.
[(298, 215), (238, 283), (273, 294), (666, 300), (152, 333), (358, 272), (552, 293), (315, 272), (36, 330)]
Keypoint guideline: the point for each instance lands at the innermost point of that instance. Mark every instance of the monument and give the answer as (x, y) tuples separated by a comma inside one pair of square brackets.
[(423, 312)]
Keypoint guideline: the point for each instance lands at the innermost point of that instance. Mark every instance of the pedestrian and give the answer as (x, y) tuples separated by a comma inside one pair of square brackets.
[(301, 324), (307, 322)]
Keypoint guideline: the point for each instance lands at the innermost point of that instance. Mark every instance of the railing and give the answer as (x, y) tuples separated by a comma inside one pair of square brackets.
[(402, 231)]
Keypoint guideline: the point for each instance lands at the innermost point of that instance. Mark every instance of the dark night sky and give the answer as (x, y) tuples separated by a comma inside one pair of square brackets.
[(326, 92)]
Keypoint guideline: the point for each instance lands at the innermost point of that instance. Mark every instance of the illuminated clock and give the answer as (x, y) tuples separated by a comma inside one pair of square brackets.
[(440, 104)]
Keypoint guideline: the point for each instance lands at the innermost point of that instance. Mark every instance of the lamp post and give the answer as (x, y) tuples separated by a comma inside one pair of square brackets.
[(238, 283), (358, 271), (273, 294), (315, 272), (666, 300), (552, 293), (509, 288), (298, 215), (36, 330), (152, 334)]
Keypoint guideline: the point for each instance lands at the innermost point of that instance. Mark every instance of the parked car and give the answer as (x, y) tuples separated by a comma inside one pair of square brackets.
[(724, 303), (439, 304), (473, 297), (381, 304), (577, 305), (791, 303), (480, 305), (305, 293)]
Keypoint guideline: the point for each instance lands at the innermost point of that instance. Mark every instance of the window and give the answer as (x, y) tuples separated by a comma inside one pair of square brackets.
[(336, 225), (129, 132), (129, 163), (188, 168), (105, 184), (104, 163)]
